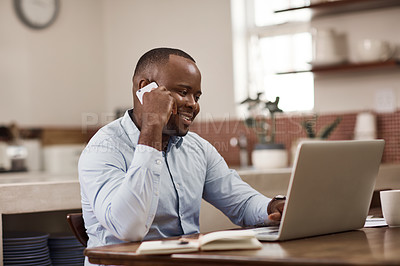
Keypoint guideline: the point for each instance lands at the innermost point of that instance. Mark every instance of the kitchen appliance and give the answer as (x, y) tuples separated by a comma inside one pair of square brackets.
[(62, 159), (13, 153), (12, 157)]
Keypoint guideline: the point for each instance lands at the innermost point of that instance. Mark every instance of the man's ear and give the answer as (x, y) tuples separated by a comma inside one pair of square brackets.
[(143, 83)]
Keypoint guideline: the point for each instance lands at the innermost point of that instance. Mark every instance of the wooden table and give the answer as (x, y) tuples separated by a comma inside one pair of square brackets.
[(368, 246)]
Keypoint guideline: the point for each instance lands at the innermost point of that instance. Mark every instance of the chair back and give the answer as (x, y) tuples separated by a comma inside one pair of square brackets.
[(75, 221)]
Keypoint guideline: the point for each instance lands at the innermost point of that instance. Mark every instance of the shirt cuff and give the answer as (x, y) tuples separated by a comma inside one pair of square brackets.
[(261, 217), (147, 157)]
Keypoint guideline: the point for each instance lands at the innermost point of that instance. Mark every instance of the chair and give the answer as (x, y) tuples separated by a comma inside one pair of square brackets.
[(75, 221)]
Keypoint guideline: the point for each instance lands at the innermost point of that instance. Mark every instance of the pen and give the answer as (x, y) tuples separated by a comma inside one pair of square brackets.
[(179, 242)]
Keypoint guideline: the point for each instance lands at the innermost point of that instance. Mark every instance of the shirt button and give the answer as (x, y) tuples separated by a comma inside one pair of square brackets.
[(177, 186), (158, 161)]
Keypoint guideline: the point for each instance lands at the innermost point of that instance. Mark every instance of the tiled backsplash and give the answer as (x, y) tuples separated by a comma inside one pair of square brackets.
[(288, 130), (219, 133)]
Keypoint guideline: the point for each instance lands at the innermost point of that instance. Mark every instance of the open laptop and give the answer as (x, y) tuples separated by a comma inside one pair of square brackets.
[(330, 189)]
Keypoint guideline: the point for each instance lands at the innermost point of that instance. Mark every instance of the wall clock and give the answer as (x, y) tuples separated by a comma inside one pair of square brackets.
[(37, 14)]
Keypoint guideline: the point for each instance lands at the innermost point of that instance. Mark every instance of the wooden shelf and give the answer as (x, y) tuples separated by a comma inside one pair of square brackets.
[(343, 6), (348, 67), (330, 7)]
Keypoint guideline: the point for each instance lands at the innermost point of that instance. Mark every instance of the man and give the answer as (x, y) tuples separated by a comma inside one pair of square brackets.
[(143, 176)]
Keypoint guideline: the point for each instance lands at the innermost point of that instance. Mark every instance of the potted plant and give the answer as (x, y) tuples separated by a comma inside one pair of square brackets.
[(309, 125), (324, 133), (267, 153)]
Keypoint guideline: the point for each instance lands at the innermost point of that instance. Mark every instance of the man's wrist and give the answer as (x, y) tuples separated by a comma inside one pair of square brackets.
[(151, 136), (274, 200)]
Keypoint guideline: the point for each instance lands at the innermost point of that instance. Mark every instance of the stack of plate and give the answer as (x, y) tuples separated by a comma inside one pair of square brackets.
[(25, 248), (66, 250)]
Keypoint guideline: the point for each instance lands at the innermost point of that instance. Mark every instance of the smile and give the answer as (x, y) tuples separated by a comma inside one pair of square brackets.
[(186, 117)]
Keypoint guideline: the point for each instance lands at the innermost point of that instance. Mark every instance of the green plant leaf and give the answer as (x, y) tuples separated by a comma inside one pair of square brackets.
[(326, 131), (308, 126)]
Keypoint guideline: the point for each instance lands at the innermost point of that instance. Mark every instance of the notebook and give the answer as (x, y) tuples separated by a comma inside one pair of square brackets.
[(330, 189)]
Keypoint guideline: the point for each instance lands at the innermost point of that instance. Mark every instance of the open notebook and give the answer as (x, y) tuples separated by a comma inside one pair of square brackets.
[(220, 240)]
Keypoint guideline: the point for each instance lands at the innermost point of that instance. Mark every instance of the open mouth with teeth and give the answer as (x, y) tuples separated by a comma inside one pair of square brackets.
[(187, 118), (179, 123)]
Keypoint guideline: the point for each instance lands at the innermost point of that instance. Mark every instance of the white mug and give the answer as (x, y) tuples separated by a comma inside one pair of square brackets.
[(365, 127), (370, 50), (390, 201)]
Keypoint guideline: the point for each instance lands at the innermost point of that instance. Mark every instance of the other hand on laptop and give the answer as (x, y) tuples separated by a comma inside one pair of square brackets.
[(275, 208)]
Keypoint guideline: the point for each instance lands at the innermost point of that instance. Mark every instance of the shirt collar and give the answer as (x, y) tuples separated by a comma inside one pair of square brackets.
[(176, 140), (130, 128)]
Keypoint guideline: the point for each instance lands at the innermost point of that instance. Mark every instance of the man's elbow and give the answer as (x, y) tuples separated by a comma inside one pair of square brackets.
[(133, 235), (135, 231)]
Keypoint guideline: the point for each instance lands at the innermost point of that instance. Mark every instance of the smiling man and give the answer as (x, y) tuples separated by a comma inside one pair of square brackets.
[(143, 175), (174, 105)]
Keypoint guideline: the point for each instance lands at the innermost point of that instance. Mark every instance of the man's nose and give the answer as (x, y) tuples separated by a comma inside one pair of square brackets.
[(190, 101)]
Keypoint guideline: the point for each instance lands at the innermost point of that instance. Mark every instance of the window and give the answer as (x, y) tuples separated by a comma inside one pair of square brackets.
[(266, 43)]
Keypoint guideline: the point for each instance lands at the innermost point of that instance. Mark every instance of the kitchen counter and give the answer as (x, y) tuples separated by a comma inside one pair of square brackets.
[(32, 177), (272, 182), (278, 179), (36, 192)]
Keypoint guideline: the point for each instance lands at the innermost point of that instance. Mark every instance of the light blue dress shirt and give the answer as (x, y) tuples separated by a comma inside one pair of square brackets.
[(133, 192)]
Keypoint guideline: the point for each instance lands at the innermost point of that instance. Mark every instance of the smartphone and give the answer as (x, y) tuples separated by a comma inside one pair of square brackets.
[(145, 89)]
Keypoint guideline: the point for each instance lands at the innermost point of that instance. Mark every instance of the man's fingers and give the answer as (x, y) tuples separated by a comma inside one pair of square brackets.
[(275, 216), (174, 107), (280, 206)]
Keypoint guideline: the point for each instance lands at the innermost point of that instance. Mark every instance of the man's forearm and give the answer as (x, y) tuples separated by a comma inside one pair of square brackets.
[(151, 135)]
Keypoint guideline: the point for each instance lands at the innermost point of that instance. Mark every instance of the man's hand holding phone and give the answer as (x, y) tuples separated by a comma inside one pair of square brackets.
[(147, 88), (157, 107)]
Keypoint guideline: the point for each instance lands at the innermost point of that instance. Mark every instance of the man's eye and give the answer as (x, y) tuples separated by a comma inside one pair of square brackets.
[(197, 98), (183, 93)]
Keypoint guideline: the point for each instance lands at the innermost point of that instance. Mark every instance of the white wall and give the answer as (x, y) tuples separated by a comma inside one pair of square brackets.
[(201, 28), (52, 76), (360, 90), (83, 63)]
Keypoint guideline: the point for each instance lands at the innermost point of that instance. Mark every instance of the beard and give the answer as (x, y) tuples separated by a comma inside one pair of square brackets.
[(175, 127)]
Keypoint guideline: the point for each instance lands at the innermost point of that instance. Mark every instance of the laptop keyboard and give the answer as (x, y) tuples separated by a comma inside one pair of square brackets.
[(264, 231)]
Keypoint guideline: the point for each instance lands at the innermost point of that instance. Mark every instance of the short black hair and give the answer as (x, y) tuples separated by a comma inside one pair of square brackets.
[(157, 56)]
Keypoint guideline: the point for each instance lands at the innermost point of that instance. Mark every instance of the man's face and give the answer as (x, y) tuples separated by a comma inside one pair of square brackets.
[(183, 79)]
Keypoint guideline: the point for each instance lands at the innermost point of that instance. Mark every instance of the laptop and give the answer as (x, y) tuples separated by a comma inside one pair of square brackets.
[(330, 189)]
